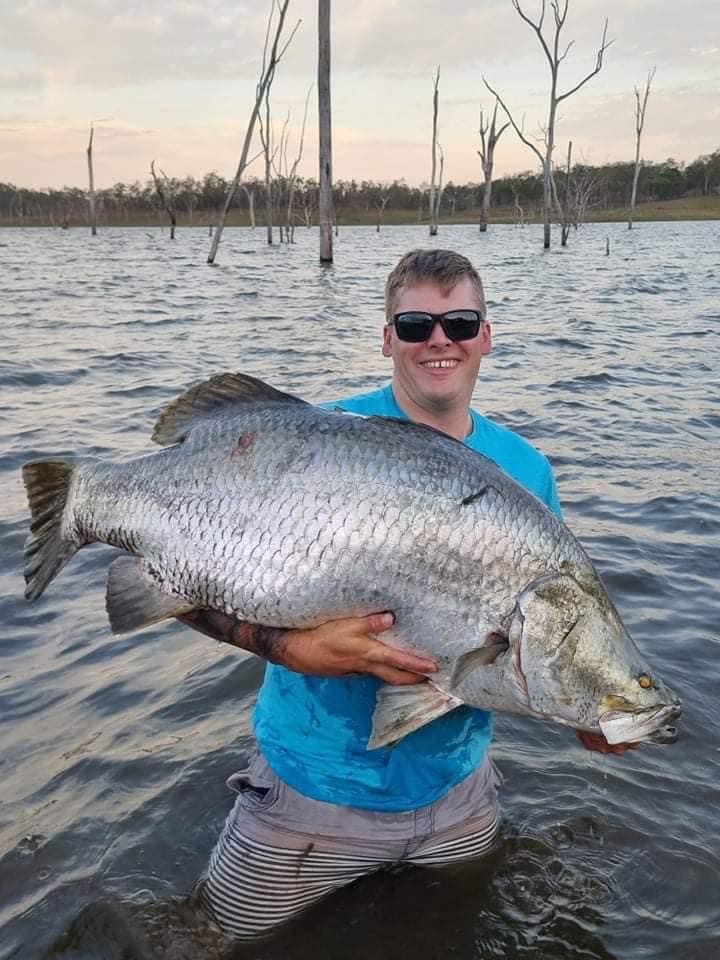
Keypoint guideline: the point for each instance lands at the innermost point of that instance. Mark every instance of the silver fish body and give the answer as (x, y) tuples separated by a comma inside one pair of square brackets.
[(283, 514)]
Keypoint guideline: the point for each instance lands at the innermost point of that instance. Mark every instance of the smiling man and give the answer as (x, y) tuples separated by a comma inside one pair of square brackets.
[(315, 808)]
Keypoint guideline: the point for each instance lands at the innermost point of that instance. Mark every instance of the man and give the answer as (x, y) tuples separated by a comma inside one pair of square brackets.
[(317, 810)]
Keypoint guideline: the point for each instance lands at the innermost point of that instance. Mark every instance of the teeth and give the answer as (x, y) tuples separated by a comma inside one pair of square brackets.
[(439, 364)]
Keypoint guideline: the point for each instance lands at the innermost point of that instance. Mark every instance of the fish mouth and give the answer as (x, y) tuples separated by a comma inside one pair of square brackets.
[(648, 723)]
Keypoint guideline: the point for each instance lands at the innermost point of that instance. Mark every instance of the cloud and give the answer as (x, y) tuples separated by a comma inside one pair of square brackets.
[(178, 77)]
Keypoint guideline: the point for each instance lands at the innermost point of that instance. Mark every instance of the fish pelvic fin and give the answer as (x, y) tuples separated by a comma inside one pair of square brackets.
[(477, 659), (135, 600), (47, 548), (400, 710), (209, 398)]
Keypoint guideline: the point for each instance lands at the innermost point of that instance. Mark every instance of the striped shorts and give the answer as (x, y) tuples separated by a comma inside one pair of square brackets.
[(280, 852)]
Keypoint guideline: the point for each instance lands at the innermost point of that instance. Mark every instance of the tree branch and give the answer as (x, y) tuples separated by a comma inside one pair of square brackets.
[(604, 44), (518, 131)]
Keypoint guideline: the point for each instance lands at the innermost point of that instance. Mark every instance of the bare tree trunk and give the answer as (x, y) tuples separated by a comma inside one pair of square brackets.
[(639, 124), (565, 222), (433, 204), (91, 186), (266, 78), (250, 194), (326, 214), (381, 203), (487, 159), (266, 138), (551, 49), (440, 187), (287, 173), (164, 198), (521, 212)]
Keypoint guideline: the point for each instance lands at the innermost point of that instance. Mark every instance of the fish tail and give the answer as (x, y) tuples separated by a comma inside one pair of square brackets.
[(47, 548)]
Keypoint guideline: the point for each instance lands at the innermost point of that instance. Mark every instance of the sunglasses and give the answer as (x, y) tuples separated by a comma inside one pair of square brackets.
[(416, 326)]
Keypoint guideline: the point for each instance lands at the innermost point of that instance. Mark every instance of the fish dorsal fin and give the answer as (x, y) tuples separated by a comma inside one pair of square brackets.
[(216, 395)]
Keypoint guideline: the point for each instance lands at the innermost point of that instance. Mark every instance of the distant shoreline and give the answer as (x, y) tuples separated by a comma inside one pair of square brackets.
[(684, 208)]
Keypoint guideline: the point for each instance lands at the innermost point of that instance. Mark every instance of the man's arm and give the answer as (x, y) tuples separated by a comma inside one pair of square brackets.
[(339, 648)]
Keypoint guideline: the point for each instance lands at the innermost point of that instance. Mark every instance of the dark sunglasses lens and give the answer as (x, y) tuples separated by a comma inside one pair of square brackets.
[(463, 325), (413, 327)]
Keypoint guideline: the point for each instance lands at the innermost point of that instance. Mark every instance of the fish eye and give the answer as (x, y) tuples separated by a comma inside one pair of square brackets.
[(645, 681)]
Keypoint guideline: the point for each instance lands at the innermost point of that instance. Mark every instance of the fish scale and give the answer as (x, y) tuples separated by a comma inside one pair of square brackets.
[(282, 514)]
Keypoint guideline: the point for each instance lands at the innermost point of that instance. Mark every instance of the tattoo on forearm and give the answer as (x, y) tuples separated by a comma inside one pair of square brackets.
[(267, 642)]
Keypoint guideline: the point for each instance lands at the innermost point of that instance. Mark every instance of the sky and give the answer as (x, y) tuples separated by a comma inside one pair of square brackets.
[(174, 81)]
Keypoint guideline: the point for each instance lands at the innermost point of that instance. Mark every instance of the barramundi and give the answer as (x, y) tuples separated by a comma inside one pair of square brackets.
[(277, 512)]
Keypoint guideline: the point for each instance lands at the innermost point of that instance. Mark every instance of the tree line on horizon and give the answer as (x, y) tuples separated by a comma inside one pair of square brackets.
[(197, 200)]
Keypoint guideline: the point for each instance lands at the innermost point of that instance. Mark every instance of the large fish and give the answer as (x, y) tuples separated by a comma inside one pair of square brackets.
[(279, 513)]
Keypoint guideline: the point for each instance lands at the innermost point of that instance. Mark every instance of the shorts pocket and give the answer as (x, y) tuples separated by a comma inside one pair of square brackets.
[(256, 785)]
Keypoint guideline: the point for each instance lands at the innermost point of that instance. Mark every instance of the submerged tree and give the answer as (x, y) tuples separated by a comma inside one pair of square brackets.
[(91, 185), (434, 191), (640, 106), (489, 136), (551, 48), (267, 73), (326, 214), (286, 172), (164, 192)]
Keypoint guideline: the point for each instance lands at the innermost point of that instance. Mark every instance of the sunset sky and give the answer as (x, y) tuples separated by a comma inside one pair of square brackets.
[(174, 80)]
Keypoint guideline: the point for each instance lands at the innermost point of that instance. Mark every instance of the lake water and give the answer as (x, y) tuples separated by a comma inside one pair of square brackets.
[(114, 752)]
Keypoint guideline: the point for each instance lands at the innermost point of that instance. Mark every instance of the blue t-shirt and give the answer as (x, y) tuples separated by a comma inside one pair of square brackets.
[(314, 730)]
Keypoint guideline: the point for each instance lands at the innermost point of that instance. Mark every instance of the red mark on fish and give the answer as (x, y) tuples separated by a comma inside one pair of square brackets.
[(244, 442)]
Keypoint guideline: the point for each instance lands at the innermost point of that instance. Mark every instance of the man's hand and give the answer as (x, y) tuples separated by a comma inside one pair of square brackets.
[(339, 648), (596, 741)]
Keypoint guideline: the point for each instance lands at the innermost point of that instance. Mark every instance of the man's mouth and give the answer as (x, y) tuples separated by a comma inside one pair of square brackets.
[(440, 364)]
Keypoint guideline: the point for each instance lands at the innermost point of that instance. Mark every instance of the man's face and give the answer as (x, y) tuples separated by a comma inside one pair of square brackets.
[(437, 374)]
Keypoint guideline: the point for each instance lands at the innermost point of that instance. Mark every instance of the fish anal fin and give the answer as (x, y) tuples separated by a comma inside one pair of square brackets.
[(467, 663), (209, 398), (134, 600), (399, 710)]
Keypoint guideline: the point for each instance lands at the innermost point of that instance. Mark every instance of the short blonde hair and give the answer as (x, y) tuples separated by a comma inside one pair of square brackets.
[(442, 267)]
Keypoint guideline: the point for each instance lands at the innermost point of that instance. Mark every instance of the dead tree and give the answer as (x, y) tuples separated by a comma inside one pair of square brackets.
[(566, 206), (551, 49), (434, 205), (440, 186), (326, 215), (91, 186), (640, 106), (516, 204), (489, 136), (381, 201), (250, 194), (267, 73), (266, 136), (286, 174), (309, 195), (165, 194), (292, 176), (584, 183)]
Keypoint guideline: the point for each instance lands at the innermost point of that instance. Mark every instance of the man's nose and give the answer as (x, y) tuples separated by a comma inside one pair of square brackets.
[(438, 337)]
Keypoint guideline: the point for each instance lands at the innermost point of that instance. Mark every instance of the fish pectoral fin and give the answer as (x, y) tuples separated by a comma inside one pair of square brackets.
[(134, 600), (219, 394), (400, 710), (474, 659)]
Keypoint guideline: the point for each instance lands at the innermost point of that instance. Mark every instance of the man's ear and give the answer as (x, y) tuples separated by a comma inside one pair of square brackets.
[(387, 341), (486, 334)]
